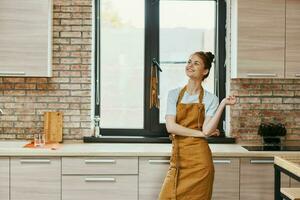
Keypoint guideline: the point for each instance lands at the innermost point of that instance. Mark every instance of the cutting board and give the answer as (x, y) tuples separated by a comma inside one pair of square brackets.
[(53, 126)]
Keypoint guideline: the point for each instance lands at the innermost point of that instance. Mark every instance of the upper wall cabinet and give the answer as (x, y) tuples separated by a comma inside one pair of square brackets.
[(292, 38), (259, 38), (25, 38)]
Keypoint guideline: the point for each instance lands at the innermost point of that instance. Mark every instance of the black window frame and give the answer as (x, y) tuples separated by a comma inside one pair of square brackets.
[(152, 127)]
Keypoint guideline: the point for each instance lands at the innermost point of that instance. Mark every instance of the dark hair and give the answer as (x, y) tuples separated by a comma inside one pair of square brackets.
[(207, 58)]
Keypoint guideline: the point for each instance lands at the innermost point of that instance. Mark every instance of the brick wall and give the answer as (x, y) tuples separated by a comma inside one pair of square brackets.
[(24, 100), (265, 100)]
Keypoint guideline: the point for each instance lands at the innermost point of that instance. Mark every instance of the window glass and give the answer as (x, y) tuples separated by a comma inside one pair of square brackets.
[(185, 27)]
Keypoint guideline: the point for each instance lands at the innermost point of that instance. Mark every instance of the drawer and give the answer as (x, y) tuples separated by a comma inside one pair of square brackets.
[(109, 187), (99, 165)]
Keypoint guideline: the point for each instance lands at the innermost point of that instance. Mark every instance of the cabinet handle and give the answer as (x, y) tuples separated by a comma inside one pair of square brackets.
[(221, 161), (261, 161), (99, 161), (100, 180), (35, 161), (12, 73), (159, 161), (262, 75), (297, 75)]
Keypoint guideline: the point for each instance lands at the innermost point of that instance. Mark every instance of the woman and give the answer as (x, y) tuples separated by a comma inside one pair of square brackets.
[(192, 115)]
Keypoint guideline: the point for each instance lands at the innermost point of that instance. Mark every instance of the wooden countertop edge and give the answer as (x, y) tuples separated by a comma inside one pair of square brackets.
[(140, 154), (287, 163)]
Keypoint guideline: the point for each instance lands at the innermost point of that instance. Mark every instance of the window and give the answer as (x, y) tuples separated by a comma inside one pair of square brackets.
[(129, 34), (122, 64)]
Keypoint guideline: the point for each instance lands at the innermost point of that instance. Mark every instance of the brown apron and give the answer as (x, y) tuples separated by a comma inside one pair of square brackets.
[(191, 172)]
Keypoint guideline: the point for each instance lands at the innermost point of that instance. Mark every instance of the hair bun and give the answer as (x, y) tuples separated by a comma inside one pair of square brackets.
[(210, 56)]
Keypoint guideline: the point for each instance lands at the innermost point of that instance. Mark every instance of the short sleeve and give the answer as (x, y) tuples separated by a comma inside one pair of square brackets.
[(171, 102), (213, 106)]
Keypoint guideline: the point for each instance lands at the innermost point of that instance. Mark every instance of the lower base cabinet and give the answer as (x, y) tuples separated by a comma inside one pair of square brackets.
[(127, 178), (152, 172), (295, 183), (35, 178), (257, 179), (4, 178), (226, 181), (108, 187), (107, 178)]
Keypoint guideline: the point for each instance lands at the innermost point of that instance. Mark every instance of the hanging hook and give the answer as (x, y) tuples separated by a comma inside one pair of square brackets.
[(155, 63)]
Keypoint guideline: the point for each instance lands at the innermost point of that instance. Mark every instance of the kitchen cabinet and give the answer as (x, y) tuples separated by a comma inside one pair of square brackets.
[(26, 38), (257, 178), (107, 178), (152, 172), (36, 178), (226, 181), (4, 178), (292, 38), (295, 183), (258, 39)]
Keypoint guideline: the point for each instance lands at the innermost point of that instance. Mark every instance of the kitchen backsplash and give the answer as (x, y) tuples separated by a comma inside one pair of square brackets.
[(23, 100), (265, 100)]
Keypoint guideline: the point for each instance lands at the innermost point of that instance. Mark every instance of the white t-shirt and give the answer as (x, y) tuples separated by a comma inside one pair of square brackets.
[(210, 101)]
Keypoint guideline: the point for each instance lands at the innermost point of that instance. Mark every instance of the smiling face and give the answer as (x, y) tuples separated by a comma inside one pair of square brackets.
[(195, 68)]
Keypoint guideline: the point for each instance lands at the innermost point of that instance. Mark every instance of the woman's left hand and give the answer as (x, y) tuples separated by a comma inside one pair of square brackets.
[(215, 133), (231, 100)]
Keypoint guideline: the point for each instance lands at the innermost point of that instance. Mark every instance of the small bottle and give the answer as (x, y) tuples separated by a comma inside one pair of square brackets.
[(97, 126)]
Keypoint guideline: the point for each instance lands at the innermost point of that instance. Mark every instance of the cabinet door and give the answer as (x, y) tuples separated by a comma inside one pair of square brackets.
[(292, 38), (35, 178), (260, 38), (4, 178), (25, 37), (295, 183), (152, 172), (226, 181), (108, 187), (257, 179)]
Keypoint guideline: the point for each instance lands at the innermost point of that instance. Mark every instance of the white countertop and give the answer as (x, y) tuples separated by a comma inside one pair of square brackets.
[(15, 148)]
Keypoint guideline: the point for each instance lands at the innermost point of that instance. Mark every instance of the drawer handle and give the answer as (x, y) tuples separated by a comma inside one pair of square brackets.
[(221, 161), (159, 161), (297, 75), (35, 161), (12, 73), (100, 180), (99, 161), (263, 75), (261, 161)]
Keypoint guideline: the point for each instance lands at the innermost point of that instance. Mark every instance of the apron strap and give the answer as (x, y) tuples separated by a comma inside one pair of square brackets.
[(201, 95), (182, 91)]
